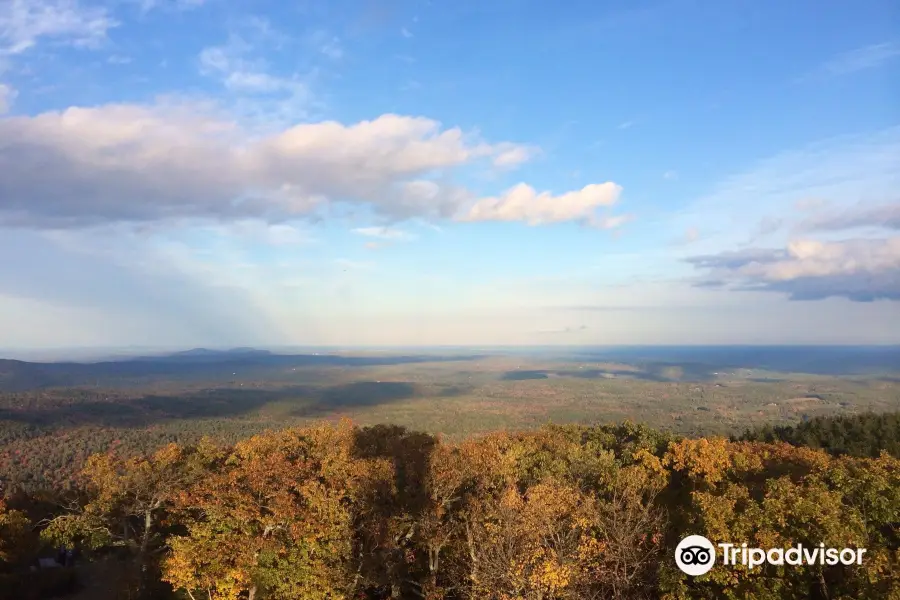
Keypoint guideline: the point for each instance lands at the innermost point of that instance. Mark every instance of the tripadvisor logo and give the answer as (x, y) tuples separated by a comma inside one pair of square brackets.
[(696, 555)]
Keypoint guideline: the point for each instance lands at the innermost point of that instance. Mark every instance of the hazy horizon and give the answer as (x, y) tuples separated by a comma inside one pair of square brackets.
[(101, 354)]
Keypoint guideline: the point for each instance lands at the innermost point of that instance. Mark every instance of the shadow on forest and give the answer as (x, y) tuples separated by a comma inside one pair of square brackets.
[(303, 401), (816, 360), (661, 372), (518, 375), (410, 454), (355, 395)]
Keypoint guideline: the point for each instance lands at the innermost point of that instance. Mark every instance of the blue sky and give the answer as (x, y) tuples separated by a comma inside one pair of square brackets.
[(378, 172)]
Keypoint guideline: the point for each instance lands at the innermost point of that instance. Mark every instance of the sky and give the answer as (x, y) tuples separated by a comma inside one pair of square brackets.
[(412, 172)]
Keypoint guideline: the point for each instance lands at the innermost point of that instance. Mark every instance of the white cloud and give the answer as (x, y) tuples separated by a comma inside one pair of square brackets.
[(180, 160), (24, 22), (515, 155), (370, 153), (7, 96), (812, 258), (861, 270), (405, 32), (524, 203)]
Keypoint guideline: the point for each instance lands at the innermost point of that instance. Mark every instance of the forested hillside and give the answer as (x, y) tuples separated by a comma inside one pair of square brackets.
[(866, 434), (46, 434), (566, 512)]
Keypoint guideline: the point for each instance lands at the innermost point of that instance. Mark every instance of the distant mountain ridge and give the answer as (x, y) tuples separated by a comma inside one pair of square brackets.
[(20, 376), (205, 354), (246, 364), (199, 364)]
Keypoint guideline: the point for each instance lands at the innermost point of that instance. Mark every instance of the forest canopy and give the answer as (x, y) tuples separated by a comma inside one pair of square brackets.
[(567, 512)]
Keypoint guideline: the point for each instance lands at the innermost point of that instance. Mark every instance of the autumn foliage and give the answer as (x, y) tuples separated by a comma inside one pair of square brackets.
[(338, 512)]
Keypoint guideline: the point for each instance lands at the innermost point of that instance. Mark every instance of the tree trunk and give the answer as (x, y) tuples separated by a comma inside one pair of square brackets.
[(144, 580), (145, 540), (473, 557), (823, 585), (434, 557)]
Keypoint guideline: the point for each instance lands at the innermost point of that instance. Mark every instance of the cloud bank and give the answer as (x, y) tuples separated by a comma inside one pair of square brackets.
[(886, 216), (859, 270), (171, 160)]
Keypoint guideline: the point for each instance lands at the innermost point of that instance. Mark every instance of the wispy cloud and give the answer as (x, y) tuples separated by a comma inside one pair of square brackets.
[(515, 155), (610, 222), (259, 93), (24, 22), (240, 73), (860, 59), (840, 173), (148, 5), (406, 32), (431, 226), (563, 330), (691, 235), (332, 49), (274, 234), (347, 264), (385, 233), (7, 96), (768, 225), (810, 204), (886, 216), (327, 44)]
